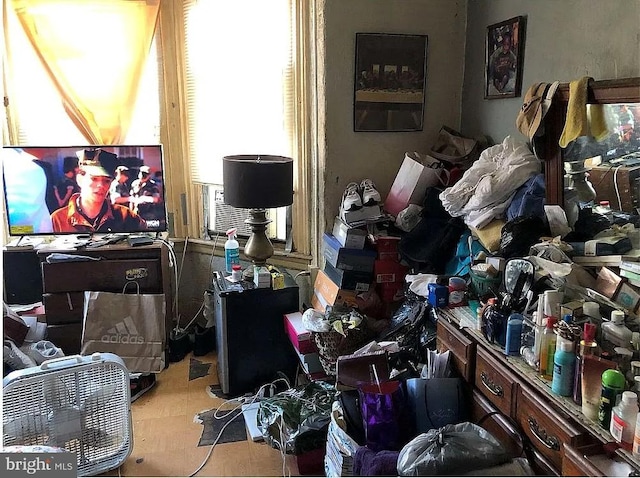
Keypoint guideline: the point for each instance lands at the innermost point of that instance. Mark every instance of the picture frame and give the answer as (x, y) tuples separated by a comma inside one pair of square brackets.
[(390, 82), (504, 59)]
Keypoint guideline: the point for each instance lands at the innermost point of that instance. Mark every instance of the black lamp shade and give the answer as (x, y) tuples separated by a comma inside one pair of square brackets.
[(257, 181)]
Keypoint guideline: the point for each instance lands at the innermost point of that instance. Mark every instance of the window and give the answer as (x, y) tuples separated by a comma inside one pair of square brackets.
[(241, 93), (227, 77)]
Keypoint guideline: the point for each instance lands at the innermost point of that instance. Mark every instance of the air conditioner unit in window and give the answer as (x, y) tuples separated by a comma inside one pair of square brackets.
[(224, 217)]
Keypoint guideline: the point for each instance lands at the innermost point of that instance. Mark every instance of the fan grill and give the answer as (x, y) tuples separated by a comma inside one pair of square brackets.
[(85, 409)]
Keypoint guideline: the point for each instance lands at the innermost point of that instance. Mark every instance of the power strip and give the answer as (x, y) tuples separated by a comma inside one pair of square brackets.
[(250, 412)]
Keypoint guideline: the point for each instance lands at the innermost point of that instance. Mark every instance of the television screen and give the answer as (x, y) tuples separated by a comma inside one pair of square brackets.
[(84, 189)]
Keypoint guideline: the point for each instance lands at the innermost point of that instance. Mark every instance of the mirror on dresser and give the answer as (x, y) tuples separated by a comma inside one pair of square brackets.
[(601, 168)]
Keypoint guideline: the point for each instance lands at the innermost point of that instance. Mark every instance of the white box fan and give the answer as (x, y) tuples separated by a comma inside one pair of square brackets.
[(80, 403)]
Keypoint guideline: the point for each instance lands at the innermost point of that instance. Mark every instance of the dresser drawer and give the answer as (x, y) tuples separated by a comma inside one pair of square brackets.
[(496, 382), (546, 429), (462, 348), (104, 275), (593, 460), (63, 307), (503, 429)]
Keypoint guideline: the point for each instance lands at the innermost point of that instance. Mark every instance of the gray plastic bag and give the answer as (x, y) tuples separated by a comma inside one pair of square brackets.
[(451, 450)]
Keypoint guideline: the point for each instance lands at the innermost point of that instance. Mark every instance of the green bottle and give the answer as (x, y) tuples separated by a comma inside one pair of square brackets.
[(613, 383)]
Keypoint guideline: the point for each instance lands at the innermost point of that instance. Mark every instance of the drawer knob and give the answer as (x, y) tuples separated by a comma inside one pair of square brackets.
[(492, 387), (550, 442)]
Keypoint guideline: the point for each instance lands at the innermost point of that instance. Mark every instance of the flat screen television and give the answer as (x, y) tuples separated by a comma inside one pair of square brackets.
[(98, 189)]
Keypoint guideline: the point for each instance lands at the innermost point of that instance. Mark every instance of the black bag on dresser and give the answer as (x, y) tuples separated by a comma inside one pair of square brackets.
[(436, 402)]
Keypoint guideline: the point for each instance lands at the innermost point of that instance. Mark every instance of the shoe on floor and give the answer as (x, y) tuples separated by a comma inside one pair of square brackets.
[(351, 199), (15, 357), (141, 383), (44, 350), (370, 195)]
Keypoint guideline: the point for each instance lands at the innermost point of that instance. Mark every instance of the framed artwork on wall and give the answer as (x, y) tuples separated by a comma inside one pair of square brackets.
[(390, 82), (504, 59)]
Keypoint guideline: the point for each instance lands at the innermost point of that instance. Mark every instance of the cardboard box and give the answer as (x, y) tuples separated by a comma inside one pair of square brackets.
[(345, 258), (385, 271), (300, 337), (349, 280), (327, 293), (409, 186), (387, 248), (347, 236)]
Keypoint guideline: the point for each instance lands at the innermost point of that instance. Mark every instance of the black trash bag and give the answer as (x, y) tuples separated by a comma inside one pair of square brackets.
[(451, 450), (297, 420), (519, 234), (432, 242)]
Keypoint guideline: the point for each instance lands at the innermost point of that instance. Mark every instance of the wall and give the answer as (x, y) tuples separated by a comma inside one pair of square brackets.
[(349, 156), (564, 41)]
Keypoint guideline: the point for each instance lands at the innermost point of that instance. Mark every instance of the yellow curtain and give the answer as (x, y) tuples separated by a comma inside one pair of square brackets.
[(94, 51)]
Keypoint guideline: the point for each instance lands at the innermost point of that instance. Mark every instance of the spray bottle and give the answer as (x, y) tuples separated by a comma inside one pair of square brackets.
[(231, 250)]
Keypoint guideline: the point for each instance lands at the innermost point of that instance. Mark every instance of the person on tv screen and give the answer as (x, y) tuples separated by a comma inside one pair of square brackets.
[(68, 186), (146, 197), (119, 189), (90, 210), (26, 194)]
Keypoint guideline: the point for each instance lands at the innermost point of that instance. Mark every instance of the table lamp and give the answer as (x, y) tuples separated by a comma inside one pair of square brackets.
[(258, 183)]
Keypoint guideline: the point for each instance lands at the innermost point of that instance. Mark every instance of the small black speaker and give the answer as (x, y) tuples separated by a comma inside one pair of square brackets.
[(22, 277)]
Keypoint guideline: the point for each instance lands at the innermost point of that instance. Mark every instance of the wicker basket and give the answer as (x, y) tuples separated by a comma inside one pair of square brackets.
[(333, 344)]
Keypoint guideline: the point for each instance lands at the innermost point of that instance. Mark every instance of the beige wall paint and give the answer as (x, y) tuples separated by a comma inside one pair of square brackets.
[(348, 156), (564, 41)]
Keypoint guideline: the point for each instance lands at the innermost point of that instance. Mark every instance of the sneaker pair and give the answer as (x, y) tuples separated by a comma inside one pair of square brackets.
[(44, 350), (16, 358), (141, 383), (357, 195)]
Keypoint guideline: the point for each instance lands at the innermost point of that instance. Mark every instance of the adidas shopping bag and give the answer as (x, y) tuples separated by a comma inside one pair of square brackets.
[(128, 325)]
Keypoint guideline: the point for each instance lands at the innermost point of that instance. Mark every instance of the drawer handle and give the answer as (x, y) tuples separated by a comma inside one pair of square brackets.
[(492, 387), (550, 442)]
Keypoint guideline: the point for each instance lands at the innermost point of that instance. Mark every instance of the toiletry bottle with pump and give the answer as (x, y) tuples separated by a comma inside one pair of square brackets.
[(231, 250), (588, 346), (514, 334), (623, 420), (615, 331), (548, 349)]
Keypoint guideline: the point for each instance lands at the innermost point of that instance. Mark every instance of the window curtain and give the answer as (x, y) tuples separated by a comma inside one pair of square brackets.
[(105, 40)]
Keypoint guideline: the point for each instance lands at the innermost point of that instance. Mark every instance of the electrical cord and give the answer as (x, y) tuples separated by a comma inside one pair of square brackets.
[(242, 400), (615, 185)]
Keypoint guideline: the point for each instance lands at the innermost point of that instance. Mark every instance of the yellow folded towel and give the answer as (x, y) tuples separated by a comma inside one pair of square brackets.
[(576, 124), (598, 122)]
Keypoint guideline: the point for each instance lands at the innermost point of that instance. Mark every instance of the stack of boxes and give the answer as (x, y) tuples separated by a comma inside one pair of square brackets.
[(348, 267), (304, 345), (389, 273)]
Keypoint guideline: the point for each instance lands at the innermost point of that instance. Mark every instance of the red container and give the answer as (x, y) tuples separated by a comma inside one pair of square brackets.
[(311, 462)]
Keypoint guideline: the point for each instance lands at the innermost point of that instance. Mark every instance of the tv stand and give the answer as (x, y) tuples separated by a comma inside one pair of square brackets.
[(64, 284)]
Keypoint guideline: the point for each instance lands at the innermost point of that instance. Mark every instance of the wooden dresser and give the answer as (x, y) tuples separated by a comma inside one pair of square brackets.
[(517, 406), (64, 284)]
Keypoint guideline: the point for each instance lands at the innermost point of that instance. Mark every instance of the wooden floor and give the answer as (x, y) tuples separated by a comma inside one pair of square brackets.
[(166, 436)]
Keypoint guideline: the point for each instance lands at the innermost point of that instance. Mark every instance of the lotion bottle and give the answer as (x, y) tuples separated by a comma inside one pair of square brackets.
[(548, 349), (564, 364), (231, 250), (615, 331)]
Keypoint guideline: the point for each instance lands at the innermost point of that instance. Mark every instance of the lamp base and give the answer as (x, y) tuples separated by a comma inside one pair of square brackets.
[(258, 248)]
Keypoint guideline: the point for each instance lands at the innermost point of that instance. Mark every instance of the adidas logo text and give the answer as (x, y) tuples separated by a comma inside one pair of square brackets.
[(124, 332)]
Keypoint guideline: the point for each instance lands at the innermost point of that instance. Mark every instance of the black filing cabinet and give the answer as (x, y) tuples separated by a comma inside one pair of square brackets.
[(252, 345)]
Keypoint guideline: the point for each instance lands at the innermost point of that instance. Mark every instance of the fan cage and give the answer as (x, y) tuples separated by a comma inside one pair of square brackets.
[(85, 409)]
